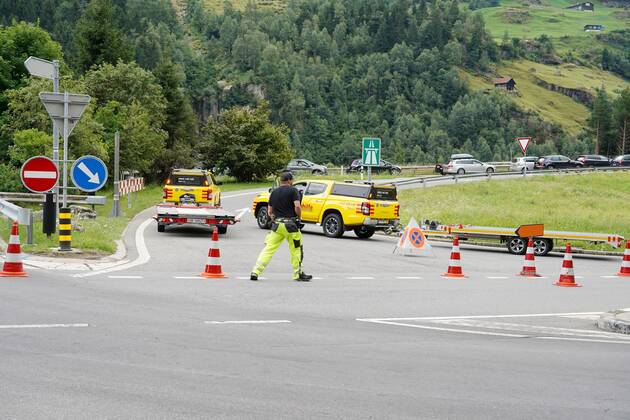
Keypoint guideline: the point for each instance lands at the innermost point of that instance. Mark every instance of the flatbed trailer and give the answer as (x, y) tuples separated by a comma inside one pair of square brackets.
[(171, 214), (543, 244)]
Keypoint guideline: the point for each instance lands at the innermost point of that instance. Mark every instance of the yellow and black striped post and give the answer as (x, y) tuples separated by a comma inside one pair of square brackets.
[(65, 229)]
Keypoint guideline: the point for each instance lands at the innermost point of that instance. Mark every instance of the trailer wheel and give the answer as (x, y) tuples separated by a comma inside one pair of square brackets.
[(542, 247), (161, 227), (517, 246), (222, 230)]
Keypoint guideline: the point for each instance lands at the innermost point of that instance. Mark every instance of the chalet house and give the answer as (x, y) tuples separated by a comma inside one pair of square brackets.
[(506, 83), (583, 7), (589, 28)]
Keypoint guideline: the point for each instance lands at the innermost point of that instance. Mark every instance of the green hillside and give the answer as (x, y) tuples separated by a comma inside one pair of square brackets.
[(532, 18), (217, 5)]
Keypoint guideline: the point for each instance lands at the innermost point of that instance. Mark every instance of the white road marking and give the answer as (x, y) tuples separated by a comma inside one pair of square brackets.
[(241, 195), (247, 278), (409, 278), (318, 278), (143, 254), (125, 277), (360, 278), (533, 329), (242, 213), (270, 321), (609, 277), (426, 327), (429, 318), (7, 327), (187, 277)]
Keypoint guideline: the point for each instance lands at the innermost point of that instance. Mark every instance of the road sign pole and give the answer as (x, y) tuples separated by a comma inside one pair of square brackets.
[(55, 151), (65, 148), (116, 204), (369, 174)]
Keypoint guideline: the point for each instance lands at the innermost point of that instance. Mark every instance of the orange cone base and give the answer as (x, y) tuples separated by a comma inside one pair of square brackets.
[(453, 276), (567, 284), (528, 274), (9, 274), (213, 275), (620, 274)]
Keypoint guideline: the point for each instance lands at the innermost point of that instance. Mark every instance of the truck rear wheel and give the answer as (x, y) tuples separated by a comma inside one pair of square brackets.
[(161, 227), (222, 230), (333, 225), (364, 232)]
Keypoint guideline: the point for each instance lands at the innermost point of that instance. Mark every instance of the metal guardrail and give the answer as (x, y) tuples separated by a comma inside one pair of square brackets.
[(436, 178), (20, 215), (40, 198)]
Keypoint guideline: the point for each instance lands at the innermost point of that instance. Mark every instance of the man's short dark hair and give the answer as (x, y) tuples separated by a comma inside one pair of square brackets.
[(286, 176)]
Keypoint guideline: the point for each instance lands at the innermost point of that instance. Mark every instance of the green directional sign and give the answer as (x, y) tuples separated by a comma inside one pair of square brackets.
[(371, 151)]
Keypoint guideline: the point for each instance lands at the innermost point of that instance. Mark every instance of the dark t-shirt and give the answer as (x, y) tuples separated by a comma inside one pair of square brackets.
[(282, 201)]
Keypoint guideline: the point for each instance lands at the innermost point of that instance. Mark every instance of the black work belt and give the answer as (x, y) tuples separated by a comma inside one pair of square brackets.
[(285, 219), (289, 223)]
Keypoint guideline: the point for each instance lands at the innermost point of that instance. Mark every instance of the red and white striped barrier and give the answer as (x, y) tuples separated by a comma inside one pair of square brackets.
[(131, 185)]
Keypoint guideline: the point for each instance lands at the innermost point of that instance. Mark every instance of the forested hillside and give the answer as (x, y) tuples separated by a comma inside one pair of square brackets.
[(332, 71)]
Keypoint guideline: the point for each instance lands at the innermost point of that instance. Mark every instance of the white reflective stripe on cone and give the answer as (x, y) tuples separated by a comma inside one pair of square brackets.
[(529, 263), (530, 250), (455, 248), (454, 263), (568, 257), (213, 261), (14, 240), (10, 257), (625, 264)]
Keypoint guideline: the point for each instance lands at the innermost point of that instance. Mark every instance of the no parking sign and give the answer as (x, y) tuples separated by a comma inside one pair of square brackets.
[(412, 240)]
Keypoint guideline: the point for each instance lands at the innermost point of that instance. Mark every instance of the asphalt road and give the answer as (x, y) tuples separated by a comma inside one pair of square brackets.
[(375, 335)]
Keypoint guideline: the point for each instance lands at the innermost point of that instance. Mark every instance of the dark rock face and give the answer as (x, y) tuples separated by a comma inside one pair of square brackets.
[(579, 95)]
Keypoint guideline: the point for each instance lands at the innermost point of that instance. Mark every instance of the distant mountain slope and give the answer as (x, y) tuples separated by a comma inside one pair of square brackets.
[(532, 18)]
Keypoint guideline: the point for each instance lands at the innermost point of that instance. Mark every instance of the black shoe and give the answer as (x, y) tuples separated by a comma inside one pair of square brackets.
[(304, 277), (253, 277)]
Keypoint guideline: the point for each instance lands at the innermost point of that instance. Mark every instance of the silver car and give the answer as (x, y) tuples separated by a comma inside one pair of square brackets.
[(521, 164), (303, 165), (465, 166)]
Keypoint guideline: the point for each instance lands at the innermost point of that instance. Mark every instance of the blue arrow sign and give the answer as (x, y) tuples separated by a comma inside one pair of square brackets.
[(89, 173)]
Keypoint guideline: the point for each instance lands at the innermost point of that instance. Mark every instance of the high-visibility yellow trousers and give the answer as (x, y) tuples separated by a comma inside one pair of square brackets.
[(272, 243)]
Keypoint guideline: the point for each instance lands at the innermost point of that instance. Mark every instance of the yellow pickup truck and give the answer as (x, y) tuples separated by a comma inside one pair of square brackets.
[(340, 206)]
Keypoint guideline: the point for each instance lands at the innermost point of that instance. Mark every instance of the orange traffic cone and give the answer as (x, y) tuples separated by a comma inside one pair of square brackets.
[(624, 271), (454, 268), (567, 279), (529, 266), (13, 259), (213, 264)]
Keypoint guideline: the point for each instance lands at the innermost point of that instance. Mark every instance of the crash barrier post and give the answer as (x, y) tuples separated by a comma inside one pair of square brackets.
[(529, 266), (567, 277), (13, 266), (454, 267), (624, 271), (65, 229), (213, 263)]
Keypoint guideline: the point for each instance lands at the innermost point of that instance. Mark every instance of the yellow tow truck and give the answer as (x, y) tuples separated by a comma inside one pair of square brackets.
[(341, 206), (192, 196)]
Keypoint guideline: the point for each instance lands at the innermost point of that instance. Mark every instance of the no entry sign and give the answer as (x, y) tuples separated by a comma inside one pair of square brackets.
[(39, 174)]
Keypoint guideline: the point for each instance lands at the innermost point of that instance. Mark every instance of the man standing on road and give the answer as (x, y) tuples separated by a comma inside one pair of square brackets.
[(285, 212)]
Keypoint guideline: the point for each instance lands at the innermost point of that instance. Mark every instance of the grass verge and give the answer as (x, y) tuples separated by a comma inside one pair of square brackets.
[(97, 237), (588, 203)]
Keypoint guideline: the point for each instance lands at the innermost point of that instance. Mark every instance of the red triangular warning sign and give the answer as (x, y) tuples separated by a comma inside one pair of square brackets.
[(524, 142)]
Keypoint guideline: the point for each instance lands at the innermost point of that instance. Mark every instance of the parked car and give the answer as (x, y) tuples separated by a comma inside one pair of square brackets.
[(303, 165), (439, 168), (594, 160), (525, 163), (464, 166), (384, 166), (557, 162), (621, 160)]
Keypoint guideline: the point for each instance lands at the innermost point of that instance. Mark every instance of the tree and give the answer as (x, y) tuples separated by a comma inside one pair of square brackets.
[(98, 37), (245, 144), (29, 143), (17, 43), (621, 120), (601, 122)]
